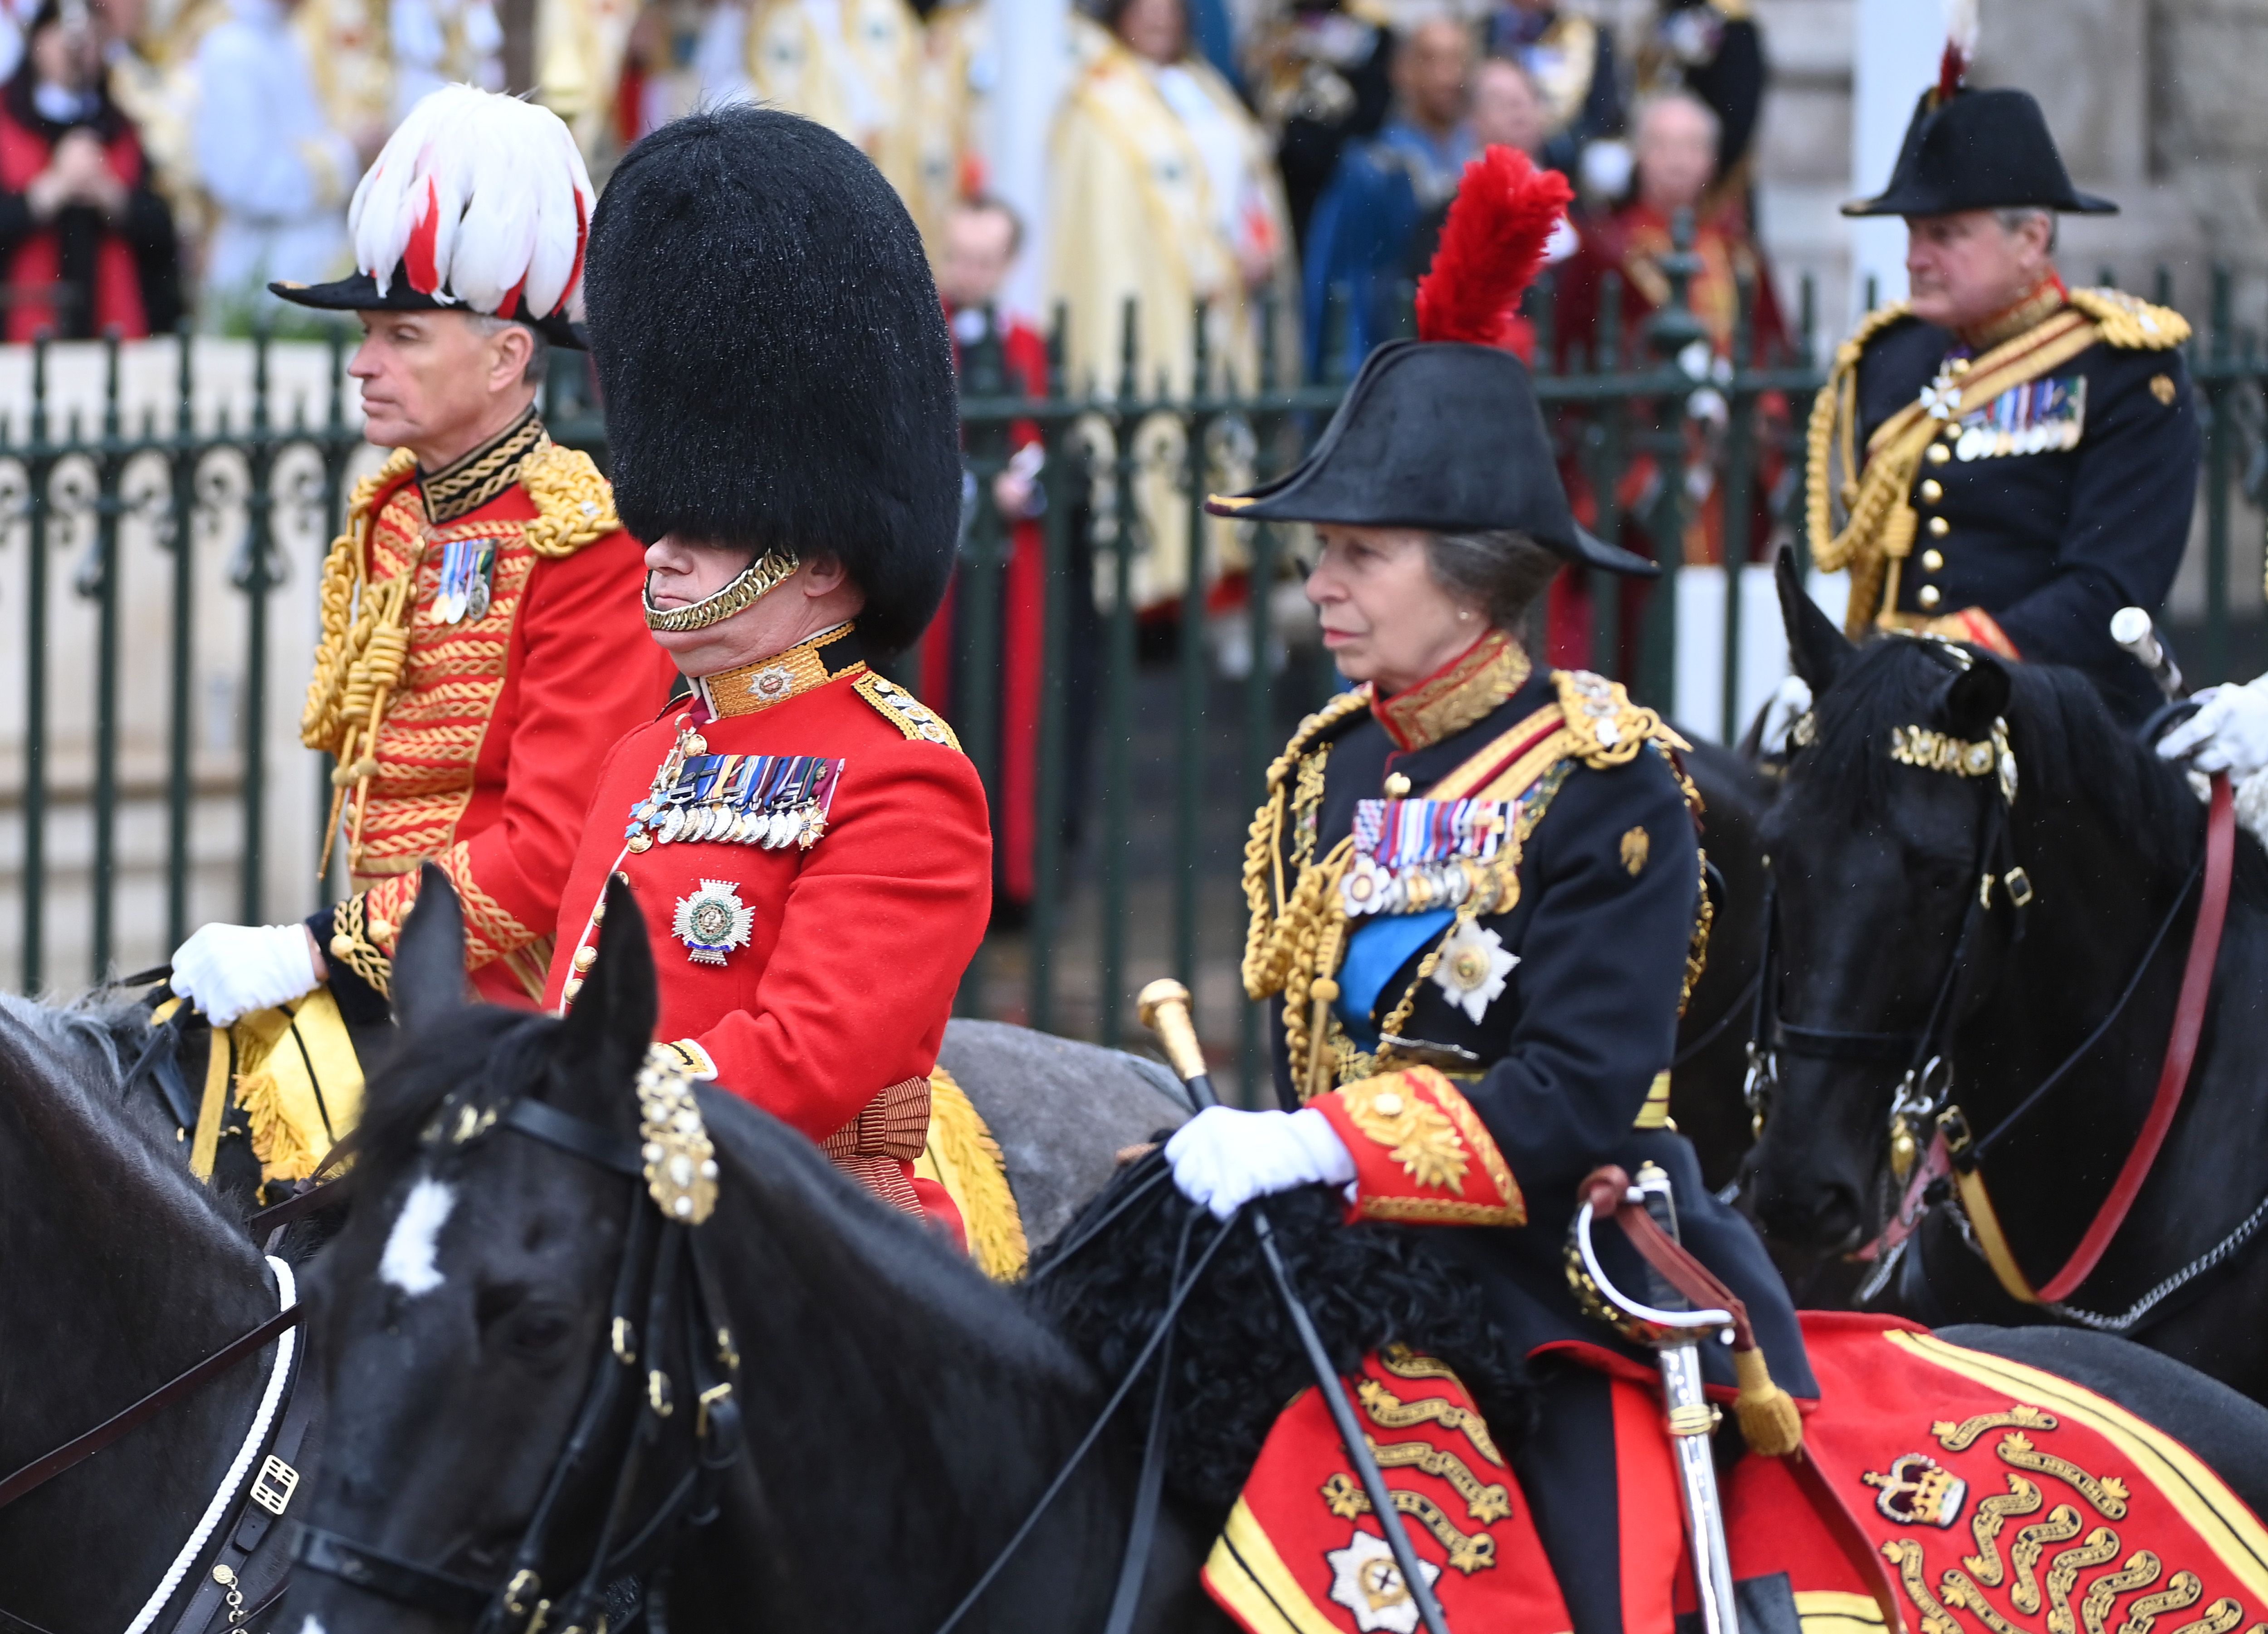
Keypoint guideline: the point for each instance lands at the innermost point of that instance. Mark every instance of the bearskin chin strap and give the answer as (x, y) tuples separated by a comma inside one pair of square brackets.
[(751, 585)]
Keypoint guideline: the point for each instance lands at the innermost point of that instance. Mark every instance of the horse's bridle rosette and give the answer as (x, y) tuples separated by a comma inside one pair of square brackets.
[(681, 1163)]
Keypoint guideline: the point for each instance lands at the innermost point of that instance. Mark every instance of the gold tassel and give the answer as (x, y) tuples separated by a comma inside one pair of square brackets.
[(1770, 1422), (960, 1155)]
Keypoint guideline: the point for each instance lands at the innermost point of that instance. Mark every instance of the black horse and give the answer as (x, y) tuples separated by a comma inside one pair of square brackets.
[(1877, 866), (895, 1416), (117, 1272)]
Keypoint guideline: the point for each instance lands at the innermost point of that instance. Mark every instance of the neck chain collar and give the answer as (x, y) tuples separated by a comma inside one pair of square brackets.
[(1456, 695), (467, 484), (2044, 301), (775, 679), (751, 585)]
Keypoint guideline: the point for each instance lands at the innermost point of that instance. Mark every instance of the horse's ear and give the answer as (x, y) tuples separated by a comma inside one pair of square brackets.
[(429, 961), (611, 1022), (1976, 698), (1816, 650)]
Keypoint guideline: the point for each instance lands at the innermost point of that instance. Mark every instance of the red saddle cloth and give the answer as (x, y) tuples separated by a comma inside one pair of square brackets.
[(1940, 1491)]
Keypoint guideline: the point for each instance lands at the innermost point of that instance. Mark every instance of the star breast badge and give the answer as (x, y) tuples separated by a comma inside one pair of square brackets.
[(713, 922), (1473, 967)]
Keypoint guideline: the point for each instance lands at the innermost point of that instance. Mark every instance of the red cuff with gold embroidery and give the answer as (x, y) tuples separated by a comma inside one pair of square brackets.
[(1422, 1155)]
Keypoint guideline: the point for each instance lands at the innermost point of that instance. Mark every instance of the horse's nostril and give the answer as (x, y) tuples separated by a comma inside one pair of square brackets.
[(1824, 1215)]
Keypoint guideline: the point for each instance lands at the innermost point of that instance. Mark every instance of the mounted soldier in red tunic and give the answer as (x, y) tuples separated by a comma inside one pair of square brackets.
[(808, 843), (481, 640)]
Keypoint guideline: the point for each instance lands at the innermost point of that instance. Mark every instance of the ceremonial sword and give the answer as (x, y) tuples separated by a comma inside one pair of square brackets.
[(1164, 1007), (1676, 1332)]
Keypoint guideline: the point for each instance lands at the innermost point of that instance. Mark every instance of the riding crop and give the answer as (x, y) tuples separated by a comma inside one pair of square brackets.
[(1164, 1007)]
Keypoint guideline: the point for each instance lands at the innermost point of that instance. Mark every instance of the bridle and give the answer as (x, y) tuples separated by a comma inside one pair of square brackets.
[(665, 1298), (1925, 1088)]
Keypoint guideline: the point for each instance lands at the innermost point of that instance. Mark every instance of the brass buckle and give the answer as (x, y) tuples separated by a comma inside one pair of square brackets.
[(714, 1394), (657, 1393), (524, 1587), (2019, 887), (1953, 1123), (624, 1339), (273, 1486)]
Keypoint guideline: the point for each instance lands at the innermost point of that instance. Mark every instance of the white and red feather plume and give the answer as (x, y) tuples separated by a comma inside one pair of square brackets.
[(480, 200), (1492, 246), (1962, 22)]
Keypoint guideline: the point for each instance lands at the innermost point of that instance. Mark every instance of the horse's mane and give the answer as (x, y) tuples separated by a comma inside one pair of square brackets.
[(1235, 1360), (2069, 751), (90, 1045)]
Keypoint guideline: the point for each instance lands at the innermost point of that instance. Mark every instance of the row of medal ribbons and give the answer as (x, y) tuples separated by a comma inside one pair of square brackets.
[(1415, 856), (771, 801)]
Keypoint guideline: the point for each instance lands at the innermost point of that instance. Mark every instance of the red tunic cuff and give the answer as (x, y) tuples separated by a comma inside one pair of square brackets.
[(1422, 1155)]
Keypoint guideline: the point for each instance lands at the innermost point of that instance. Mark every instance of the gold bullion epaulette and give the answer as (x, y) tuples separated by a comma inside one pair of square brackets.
[(1607, 728), (2131, 323), (909, 714), (574, 504)]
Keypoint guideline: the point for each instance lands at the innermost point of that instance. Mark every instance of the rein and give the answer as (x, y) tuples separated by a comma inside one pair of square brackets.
[(664, 1255)]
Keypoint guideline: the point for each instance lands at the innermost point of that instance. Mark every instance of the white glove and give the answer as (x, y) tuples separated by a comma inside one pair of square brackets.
[(1782, 710), (231, 970), (1223, 1158), (2230, 733)]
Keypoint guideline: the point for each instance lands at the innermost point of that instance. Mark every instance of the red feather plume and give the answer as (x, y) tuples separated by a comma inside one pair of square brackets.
[(1952, 70), (1491, 249)]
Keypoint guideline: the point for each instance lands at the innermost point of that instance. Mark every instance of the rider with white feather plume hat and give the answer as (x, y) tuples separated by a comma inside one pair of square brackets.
[(482, 641)]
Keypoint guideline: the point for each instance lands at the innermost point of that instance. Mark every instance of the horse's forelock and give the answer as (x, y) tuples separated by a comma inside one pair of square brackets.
[(494, 1054), (2069, 750)]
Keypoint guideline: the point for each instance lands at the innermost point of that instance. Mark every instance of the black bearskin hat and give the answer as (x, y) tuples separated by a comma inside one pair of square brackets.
[(774, 357)]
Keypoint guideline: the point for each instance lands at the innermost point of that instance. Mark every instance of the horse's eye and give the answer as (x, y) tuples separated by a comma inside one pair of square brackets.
[(537, 1335)]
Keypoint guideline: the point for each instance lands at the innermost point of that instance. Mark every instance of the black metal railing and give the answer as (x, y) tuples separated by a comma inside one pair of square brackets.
[(149, 772)]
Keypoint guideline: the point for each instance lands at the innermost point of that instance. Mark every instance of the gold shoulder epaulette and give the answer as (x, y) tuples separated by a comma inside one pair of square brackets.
[(909, 714), (1608, 729), (574, 504), (1335, 710), (2131, 323)]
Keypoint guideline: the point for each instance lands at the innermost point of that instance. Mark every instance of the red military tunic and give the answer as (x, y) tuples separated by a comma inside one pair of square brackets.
[(486, 617), (810, 850)]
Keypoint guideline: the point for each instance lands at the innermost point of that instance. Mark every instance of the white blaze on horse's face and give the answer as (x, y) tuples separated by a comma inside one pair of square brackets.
[(407, 1262), (312, 1625)]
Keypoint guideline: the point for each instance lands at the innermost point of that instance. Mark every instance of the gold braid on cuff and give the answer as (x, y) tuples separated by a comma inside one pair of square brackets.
[(352, 947), (748, 587)]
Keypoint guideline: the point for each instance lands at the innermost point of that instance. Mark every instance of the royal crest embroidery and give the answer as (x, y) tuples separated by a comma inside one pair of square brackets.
[(769, 800), (1414, 856), (713, 922), (1473, 968), (1919, 1492)]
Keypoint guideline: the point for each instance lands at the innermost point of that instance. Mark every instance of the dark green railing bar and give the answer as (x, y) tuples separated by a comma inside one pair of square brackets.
[(1190, 745), (107, 467), (253, 576), (180, 539), (1061, 480), (2220, 461), (975, 660), (1118, 781)]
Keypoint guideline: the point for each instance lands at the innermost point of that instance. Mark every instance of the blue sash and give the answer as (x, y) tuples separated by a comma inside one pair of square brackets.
[(1378, 948)]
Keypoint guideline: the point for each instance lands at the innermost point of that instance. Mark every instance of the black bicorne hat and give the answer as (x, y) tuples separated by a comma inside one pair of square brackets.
[(1978, 149), (1438, 435), (1444, 433), (774, 357)]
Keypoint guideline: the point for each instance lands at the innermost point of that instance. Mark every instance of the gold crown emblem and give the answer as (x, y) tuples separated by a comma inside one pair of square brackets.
[(1919, 1492)]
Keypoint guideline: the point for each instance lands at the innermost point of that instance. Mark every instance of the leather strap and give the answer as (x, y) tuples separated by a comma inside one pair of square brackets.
[(574, 1137), (397, 1580), (1606, 1190), (41, 1470), (2172, 1081)]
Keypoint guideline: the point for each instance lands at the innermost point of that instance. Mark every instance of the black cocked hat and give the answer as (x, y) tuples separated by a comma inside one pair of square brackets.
[(1445, 432), (478, 204), (1978, 149), (774, 358), (1445, 436)]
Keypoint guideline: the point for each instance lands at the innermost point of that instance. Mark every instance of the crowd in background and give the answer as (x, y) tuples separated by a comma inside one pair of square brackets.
[(1285, 162)]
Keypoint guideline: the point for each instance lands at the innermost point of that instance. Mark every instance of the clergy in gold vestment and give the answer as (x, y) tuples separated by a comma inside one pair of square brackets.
[(1163, 193)]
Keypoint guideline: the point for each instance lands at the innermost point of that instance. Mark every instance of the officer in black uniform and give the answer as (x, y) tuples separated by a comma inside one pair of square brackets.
[(1475, 895), (2014, 460)]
